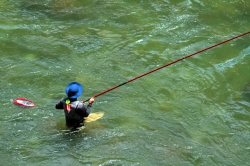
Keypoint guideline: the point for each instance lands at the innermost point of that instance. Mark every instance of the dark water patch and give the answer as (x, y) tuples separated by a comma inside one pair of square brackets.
[(191, 113), (246, 92), (54, 9)]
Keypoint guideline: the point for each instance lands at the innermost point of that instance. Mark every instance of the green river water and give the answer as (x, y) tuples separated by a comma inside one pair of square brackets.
[(195, 112)]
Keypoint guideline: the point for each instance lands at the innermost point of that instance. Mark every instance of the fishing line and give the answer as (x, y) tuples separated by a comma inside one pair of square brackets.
[(168, 64)]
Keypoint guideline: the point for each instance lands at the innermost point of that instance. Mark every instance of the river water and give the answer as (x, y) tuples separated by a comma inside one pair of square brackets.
[(195, 112)]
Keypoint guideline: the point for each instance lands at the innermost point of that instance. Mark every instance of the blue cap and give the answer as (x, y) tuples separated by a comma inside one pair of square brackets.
[(74, 90)]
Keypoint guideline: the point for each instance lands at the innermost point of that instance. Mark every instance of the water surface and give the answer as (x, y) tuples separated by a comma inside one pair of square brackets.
[(195, 112)]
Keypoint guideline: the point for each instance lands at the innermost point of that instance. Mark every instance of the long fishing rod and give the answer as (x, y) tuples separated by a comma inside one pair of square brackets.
[(168, 64)]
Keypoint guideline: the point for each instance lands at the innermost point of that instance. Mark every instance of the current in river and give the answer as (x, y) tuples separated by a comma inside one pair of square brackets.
[(194, 112)]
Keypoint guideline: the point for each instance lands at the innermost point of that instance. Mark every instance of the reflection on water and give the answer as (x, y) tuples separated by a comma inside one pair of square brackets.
[(195, 112)]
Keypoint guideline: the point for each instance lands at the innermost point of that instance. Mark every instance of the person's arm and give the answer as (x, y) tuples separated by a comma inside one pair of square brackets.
[(82, 110), (89, 106), (59, 105)]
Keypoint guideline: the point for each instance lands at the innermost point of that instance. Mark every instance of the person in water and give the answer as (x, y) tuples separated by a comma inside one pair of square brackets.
[(74, 110)]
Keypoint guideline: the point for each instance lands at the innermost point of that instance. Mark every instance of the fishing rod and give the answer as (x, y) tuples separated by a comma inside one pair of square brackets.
[(168, 64)]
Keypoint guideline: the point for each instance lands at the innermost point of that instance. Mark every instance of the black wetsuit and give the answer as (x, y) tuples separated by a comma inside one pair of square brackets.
[(75, 116)]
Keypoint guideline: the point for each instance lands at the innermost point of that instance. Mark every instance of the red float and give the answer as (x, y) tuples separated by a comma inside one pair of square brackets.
[(24, 102)]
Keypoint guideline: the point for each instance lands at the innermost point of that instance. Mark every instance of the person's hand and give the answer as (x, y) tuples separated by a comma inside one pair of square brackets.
[(92, 100)]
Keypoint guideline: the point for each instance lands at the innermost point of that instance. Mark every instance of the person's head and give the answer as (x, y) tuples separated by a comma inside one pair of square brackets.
[(74, 90)]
